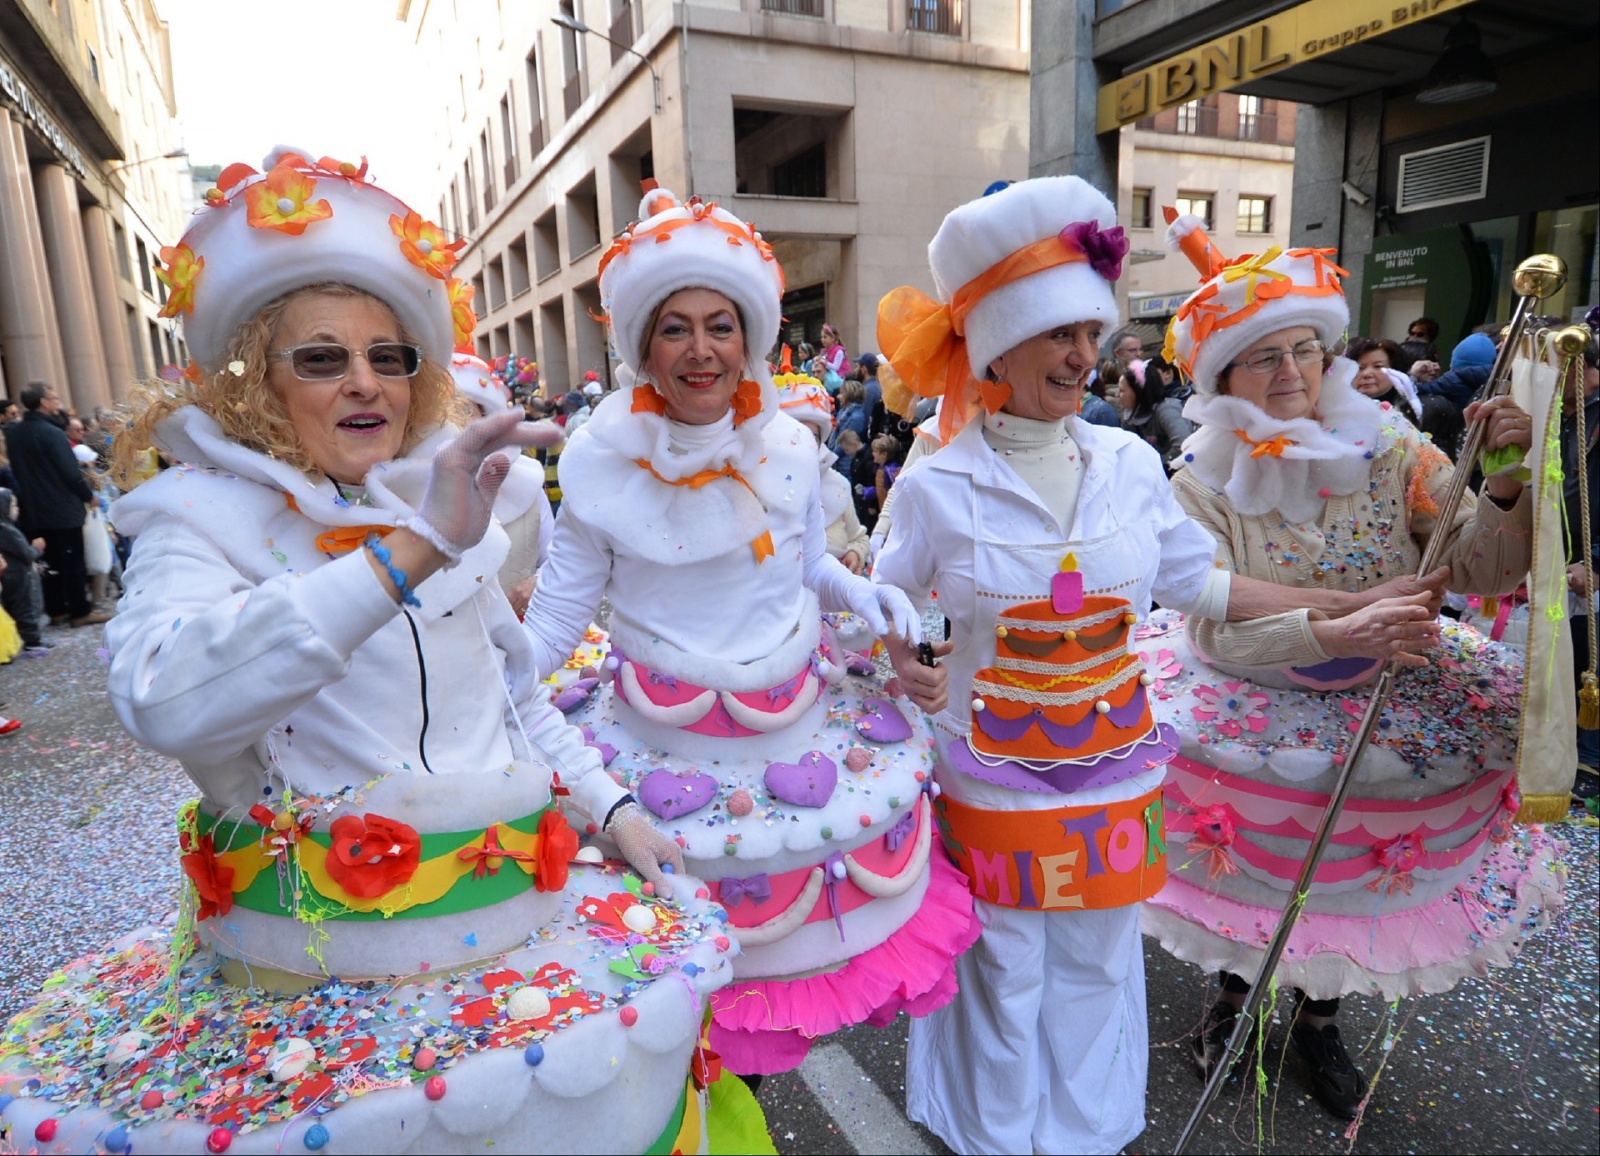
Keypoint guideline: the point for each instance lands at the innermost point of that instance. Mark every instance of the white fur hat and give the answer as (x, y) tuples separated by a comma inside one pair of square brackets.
[(261, 235), (1244, 300), (803, 398), (681, 246), (980, 234), (476, 382)]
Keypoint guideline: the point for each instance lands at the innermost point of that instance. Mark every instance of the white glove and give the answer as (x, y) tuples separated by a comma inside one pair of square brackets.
[(645, 848), (887, 610), (467, 474)]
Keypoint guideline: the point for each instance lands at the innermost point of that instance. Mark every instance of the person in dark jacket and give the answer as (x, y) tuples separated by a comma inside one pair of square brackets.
[(1470, 363), (54, 497), (20, 592)]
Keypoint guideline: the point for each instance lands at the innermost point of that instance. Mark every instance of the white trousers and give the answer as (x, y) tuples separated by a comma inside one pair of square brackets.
[(1047, 1045)]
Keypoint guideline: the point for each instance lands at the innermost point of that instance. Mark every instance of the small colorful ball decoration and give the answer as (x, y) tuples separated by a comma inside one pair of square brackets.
[(425, 1059), (434, 1089), (316, 1138), (45, 1130), (219, 1141), (629, 1015), (117, 1140), (533, 1055)]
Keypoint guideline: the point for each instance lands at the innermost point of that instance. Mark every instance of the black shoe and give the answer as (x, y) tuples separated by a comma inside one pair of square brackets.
[(1335, 1079), (1208, 1045), (1586, 786)]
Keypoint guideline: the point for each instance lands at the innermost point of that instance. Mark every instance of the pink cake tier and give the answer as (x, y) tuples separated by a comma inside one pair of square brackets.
[(584, 1037), (1424, 880), (804, 807)]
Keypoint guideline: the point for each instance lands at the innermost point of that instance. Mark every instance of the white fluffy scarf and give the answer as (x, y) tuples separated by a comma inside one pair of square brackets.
[(1331, 455)]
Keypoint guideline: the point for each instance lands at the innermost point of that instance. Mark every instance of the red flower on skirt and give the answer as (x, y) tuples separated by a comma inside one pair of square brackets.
[(212, 881), (558, 843), (371, 856)]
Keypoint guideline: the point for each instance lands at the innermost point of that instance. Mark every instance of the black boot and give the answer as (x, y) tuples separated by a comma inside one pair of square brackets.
[(1335, 1079)]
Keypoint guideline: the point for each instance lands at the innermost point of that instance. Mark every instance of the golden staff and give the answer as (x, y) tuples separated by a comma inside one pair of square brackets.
[(1536, 278)]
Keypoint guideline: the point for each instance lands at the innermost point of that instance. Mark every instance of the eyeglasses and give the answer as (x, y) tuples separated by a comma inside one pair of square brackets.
[(325, 360), (1266, 361)]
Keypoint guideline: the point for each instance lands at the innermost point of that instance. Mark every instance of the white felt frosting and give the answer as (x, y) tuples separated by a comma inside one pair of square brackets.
[(984, 232), (1332, 451), (602, 1084), (246, 267)]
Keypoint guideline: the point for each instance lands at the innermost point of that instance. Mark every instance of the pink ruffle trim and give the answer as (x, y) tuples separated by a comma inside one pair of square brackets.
[(760, 1027), (1397, 951)]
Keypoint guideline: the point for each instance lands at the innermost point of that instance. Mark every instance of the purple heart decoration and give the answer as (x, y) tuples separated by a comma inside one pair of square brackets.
[(607, 751), (883, 722), (808, 783), (671, 796), (574, 696), (857, 663)]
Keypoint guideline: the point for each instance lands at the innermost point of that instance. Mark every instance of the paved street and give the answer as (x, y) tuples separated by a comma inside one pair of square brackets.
[(1505, 1064)]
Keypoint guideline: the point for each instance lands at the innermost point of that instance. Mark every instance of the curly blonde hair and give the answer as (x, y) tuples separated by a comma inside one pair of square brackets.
[(251, 412)]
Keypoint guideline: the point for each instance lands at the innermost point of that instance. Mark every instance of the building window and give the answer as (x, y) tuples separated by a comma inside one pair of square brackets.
[(571, 61), (508, 138), (144, 265), (1139, 210), (119, 242), (941, 16), (793, 7), (455, 210), (803, 175), (471, 190), (1198, 117), (1258, 119), (1255, 214), (486, 163), (1196, 205), (624, 27), (94, 64), (535, 105)]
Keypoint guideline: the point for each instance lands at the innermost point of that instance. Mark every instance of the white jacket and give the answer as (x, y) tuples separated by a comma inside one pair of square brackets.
[(245, 652)]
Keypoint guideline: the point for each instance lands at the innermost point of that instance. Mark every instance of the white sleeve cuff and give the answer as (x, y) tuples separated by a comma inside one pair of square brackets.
[(1212, 601)]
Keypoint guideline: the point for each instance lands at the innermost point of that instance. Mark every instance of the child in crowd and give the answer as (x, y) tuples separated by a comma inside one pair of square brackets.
[(21, 594)]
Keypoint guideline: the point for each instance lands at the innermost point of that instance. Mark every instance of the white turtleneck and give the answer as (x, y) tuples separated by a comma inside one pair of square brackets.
[(685, 440), (1044, 456)]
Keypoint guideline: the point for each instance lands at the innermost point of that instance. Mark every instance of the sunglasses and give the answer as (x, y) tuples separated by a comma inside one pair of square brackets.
[(325, 360)]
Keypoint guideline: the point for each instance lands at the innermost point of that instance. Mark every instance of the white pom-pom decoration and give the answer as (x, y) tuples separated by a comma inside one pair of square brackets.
[(590, 854), (528, 1003), (1103, 706), (289, 1058), (978, 704), (639, 918)]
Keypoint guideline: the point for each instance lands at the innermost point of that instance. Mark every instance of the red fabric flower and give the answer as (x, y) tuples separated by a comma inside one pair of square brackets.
[(212, 881), (371, 855), (558, 843)]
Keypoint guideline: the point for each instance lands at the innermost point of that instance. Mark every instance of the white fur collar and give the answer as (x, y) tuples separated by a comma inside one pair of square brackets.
[(1329, 456)]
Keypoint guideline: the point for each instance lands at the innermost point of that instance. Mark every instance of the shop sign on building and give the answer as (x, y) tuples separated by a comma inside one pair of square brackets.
[(20, 97), (1304, 32), (1146, 308)]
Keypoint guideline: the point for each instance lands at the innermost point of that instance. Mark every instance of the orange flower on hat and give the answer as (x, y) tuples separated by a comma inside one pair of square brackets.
[(424, 245), (182, 271), (344, 168), (461, 309), (283, 201)]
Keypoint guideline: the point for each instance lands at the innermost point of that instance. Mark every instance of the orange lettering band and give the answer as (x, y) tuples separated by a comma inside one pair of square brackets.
[(1063, 859)]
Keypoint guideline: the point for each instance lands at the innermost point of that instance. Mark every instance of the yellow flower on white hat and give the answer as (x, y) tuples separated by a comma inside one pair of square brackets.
[(182, 271), (461, 313), (283, 201)]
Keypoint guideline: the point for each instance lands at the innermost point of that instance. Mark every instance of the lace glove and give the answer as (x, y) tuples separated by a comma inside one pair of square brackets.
[(647, 850), (886, 610), (467, 474)]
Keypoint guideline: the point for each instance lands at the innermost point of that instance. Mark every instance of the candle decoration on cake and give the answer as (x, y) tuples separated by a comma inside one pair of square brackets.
[(1066, 587)]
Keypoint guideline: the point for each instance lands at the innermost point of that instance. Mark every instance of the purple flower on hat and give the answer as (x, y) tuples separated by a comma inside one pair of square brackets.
[(1105, 249)]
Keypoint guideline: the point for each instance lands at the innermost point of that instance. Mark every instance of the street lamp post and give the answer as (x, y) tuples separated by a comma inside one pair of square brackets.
[(573, 24), (125, 166)]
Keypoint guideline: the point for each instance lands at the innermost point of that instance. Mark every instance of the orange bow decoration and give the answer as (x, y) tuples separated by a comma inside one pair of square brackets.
[(491, 855), (761, 547), (1270, 448), (342, 539)]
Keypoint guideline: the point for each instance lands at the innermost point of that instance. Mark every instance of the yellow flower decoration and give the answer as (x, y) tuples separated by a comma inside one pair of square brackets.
[(182, 271), (283, 201), (461, 310), (424, 245)]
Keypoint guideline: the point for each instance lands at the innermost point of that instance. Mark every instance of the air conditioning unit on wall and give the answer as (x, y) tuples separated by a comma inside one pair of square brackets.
[(1444, 175)]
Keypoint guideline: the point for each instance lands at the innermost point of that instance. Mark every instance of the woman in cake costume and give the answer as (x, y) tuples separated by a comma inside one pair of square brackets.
[(381, 947), (1305, 482), (1046, 539), (795, 789)]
